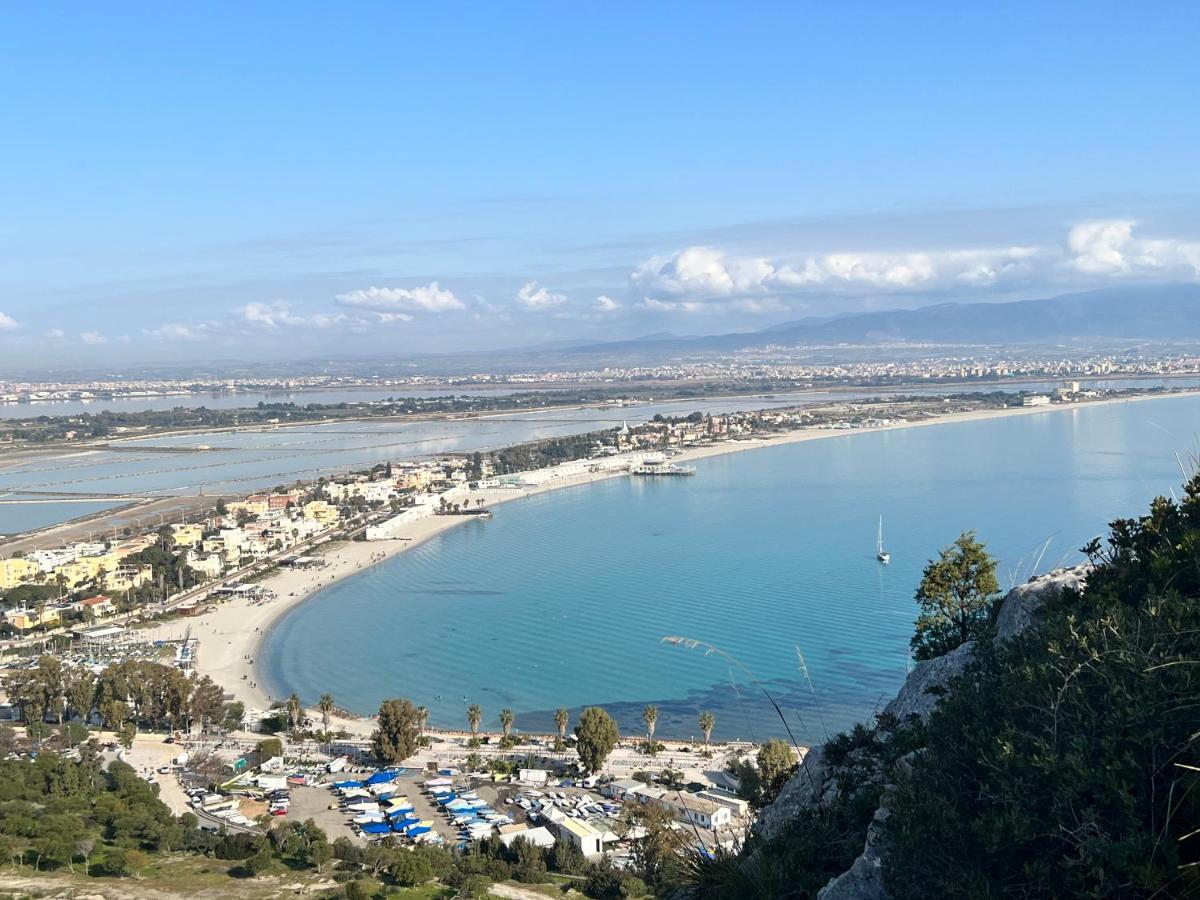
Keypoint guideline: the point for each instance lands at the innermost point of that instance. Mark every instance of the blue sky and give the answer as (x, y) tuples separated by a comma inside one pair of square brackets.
[(266, 179)]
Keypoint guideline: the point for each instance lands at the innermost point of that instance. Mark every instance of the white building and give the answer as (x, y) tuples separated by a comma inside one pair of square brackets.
[(696, 810)]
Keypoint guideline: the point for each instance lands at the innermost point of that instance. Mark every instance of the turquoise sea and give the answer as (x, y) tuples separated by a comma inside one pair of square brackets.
[(563, 599)]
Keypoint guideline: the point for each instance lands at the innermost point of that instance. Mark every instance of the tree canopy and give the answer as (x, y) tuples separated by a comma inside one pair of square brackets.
[(398, 733), (595, 735), (955, 597)]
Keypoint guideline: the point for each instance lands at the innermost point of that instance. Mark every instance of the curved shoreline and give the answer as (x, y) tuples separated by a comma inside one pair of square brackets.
[(235, 630)]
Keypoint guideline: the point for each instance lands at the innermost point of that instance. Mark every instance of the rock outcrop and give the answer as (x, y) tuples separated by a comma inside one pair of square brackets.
[(815, 782), (1022, 603)]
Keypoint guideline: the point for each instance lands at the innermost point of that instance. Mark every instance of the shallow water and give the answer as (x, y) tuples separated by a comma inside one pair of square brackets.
[(563, 599)]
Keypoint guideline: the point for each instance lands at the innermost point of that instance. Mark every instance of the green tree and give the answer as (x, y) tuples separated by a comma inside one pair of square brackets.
[(270, 748), (474, 717), (955, 597), (398, 733), (562, 719), (707, 722), (506, 720), (776, 762), (595, 736)]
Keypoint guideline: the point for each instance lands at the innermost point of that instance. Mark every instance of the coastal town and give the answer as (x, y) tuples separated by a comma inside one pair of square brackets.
[(186, 605)]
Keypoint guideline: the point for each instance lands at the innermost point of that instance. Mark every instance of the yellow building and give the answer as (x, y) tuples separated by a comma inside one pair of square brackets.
[(321, 512), (187, 535), (87, 569), (15, 571), (24, 619), (128, 578)]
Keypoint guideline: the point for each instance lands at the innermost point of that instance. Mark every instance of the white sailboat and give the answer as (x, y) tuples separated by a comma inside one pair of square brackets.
[(880, 554)]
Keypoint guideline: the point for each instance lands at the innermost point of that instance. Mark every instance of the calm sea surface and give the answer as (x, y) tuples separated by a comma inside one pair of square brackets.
[(563, 599)]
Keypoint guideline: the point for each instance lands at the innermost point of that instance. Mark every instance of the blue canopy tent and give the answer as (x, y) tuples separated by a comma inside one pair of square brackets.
[(376, 828)]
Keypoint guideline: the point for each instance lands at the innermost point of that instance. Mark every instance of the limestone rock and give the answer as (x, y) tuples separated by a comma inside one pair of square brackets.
[(914, 698), (1022, 603)]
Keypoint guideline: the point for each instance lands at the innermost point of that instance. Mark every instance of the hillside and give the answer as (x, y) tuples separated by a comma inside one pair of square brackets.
[(1164, 312), (1057, 757)]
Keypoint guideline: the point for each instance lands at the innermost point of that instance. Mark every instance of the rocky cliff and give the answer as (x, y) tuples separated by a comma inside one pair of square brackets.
[(815, 782)]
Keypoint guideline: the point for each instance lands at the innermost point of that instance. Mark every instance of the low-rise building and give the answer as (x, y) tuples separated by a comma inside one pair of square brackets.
[(321, 512), (24, 619), (696, 810), (583, 835)]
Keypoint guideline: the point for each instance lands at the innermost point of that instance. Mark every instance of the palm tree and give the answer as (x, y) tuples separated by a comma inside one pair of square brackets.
[(506, 720), (474, 717), (561, 719), (294, 708), (325, 705), (707, 721), (650, 717), (422, 718)]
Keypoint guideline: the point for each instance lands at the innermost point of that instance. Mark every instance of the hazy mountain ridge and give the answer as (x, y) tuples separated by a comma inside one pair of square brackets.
[(1164, 312)]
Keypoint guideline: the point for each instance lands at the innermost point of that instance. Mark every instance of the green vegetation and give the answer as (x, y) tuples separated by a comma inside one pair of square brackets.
[(955, 597), (761, 781), (399, 731), (595, 736), (126, 695)]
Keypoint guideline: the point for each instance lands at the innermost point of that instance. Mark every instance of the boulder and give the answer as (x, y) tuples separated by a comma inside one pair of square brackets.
[(1023, 602)]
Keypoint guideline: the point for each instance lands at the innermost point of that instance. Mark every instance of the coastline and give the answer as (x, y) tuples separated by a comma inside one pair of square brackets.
[(231, 635)]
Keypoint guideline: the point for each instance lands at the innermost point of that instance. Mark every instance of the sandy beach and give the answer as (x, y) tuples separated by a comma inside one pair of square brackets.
[(232, 631)]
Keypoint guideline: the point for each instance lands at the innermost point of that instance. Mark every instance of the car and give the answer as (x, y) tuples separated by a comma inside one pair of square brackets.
[(279, 812)]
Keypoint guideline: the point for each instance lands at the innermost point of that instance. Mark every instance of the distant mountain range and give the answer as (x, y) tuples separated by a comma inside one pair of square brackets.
[(1167, 312)]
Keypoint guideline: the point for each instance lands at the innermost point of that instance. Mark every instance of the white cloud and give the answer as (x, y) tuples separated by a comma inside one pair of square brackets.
[(1111, 248), (92, 338), (56, 334), (605, 303), (7, 323), (179, 331), (431, 298), (531, 296), (279, 315), (705, 273)]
